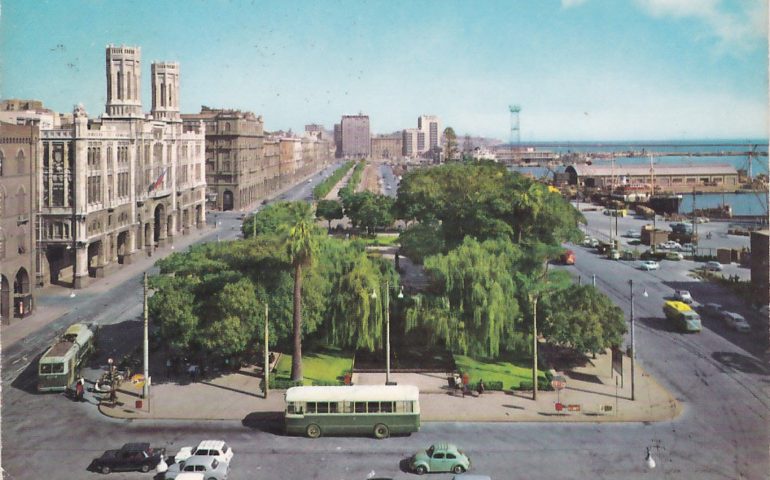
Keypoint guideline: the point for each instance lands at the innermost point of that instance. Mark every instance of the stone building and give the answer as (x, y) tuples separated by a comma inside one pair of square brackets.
[(387, 147), (356, 141), (122, 183), (235, 174), (19, 146)]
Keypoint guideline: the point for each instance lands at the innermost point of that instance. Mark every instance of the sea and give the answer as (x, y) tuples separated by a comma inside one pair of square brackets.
[(744, 203)]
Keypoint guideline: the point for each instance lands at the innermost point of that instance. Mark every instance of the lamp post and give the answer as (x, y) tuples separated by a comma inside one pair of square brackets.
[(267, 355), (633, 345), (387, 327)]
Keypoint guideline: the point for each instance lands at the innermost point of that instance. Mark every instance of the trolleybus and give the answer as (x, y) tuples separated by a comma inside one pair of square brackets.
[(59, 364), (379, 410)]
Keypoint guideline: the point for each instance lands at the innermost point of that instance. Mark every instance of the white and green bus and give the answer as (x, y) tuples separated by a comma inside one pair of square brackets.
[(379, 410), (59, 364)]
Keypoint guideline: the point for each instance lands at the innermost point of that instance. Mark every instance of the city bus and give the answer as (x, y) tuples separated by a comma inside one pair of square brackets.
[(684, 317), (379, 410), (60, 363)]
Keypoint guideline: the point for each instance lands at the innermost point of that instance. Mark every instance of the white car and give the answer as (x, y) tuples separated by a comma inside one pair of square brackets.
[(713, 266), (670, 245), (649, 265), (736, 322), (211, 468), (633, 234), (683, 296), (206, 449)]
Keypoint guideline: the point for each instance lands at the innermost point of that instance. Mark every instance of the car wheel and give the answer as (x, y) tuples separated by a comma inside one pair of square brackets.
[(381, 431), (313, 431), (145, 468), (458, 469), (420, 470), (105, 469)]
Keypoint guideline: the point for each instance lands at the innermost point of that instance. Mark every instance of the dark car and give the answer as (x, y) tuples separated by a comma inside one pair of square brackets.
[(131, 456)]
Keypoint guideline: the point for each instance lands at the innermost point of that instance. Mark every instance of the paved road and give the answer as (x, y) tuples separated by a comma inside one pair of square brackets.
[(723, 433)]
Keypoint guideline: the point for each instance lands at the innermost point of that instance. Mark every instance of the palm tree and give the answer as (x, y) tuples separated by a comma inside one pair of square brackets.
[(302, 247)]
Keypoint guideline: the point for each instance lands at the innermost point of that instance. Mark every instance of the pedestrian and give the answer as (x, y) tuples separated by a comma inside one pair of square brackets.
[(480, 387), (397, 266), (461, 387), (79, 391)]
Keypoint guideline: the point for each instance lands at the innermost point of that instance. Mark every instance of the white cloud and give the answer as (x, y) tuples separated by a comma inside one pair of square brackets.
[(742, 27), (571, 3)]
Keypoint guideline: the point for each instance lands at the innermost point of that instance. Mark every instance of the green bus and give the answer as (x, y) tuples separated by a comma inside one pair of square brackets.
[(379, 410), (60, 363)]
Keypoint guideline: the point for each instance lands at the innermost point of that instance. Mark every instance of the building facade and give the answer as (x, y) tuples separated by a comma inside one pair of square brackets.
[(409, 142), (19, 149), (355, 136), (235, 173), (120, 184), (430, 126), (677, 178), (387, 147)]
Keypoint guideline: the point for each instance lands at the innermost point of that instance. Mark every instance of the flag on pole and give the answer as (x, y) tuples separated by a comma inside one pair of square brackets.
[(158, 182)]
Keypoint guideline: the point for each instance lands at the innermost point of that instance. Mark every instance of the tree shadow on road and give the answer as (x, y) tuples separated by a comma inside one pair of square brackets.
[(268, 422), (739, 362)]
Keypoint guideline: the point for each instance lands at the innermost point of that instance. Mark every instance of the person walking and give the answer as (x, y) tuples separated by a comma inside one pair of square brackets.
[(480, 387), (79, 390)]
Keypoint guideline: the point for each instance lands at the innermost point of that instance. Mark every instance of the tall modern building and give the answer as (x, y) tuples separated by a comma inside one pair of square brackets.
[(356, 139), (410, 142), (430, 125), (120, 184), (19, 149), (337, 140)]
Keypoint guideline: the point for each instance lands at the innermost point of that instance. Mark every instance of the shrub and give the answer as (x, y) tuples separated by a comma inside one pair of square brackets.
[(280, 384)]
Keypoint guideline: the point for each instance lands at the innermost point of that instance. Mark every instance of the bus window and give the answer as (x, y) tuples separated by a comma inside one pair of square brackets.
[(386, 407), (347, 407), (323, 407), (360, 407), (310, 407), (404, 407), (57, 368), (45, 368), (374, 407), (333, 407)]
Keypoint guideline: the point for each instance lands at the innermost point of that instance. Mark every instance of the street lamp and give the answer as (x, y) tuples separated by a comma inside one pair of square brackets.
[(387, 326), (633, 345)]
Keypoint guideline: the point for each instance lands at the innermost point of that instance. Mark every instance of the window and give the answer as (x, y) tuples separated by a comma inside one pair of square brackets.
[(311, 407), (20, 162), (21, 201), (360, 407), (374, 407), (45, 368), (323, 407), (386, 407), (438, 455), (450, 455), (57, 368)]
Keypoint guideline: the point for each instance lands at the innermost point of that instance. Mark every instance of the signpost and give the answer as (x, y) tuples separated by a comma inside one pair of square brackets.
[(558, 383)]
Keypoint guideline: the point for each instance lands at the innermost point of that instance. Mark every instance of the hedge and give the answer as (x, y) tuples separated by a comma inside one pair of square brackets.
[(280, 384), (323, 188), (543, 384)]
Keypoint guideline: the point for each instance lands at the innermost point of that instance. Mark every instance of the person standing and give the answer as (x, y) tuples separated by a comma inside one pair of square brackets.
[(79, 390)]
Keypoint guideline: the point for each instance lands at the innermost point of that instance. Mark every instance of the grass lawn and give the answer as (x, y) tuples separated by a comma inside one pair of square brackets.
[(381, 240), (511, 373), (325, 366)]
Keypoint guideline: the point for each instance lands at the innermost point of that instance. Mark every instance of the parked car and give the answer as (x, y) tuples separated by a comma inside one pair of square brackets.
[(613, 255), (440, 457), (211, 468), (688, 247), (675, 256), (683, 296), (633, 234), (736, 322), (649, 265), (207, 448), (130, 457), (714, 308), (670, 245), (713, 266)]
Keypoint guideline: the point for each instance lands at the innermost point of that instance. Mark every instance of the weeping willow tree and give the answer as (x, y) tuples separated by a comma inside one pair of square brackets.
[(478, 307)]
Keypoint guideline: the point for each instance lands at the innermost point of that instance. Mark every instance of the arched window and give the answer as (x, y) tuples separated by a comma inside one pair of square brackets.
[(227, 126), (20, 162), (21, 201)]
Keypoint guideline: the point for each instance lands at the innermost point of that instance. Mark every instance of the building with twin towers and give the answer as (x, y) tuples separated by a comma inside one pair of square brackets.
[(122, 184)]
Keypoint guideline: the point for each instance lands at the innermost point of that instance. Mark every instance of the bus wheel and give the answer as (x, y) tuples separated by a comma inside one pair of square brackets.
[(313, 431), (381, 431)]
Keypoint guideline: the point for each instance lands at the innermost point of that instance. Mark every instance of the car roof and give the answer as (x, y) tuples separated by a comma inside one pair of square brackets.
[(444, 446), (198, 460), (136, 446), (208, 444)]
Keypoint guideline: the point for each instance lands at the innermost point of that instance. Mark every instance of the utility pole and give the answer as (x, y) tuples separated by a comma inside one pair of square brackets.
[(387, 333), (534, 348), (267, 355), (146, 387), (633, 350)]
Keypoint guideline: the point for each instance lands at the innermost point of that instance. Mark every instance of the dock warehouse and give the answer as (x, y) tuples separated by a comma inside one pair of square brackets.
[(667, 177)]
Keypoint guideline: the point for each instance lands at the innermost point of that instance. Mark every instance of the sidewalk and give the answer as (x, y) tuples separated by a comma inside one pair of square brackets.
[(590, 392)]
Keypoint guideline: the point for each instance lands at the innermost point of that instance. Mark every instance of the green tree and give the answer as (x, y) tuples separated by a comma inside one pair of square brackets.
[(450, 139), (369, 211), (273, 218), (329, 210), (421, 240), (172, 307), (583, 318), (301, 247)]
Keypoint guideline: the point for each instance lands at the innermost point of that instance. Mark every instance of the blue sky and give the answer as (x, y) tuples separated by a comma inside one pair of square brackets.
[(580, 69)]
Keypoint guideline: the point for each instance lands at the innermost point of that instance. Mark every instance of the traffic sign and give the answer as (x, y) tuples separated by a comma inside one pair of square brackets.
[(559, 382)]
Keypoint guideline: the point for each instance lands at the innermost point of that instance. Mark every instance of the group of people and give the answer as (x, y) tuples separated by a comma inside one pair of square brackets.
[(461, 383)]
